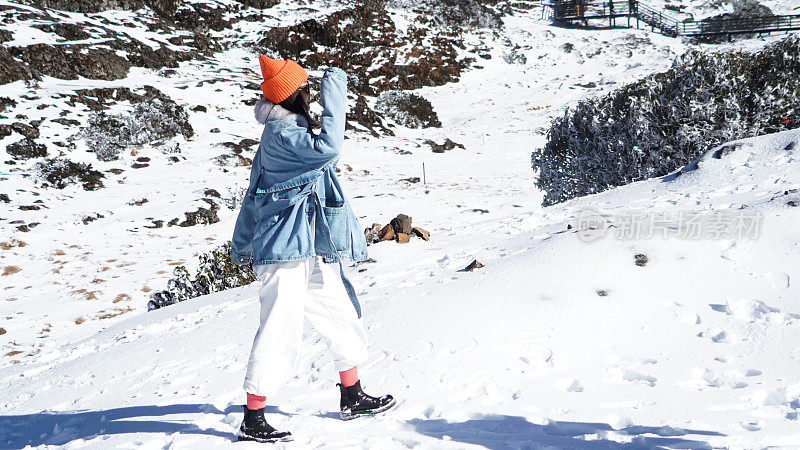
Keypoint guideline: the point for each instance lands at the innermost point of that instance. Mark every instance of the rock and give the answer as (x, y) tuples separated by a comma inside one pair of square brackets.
[(199, 108), (421, 232), (5, 130), (367, 118), (259, 4), (373, 235), (71, 61), (386, 234), (214, 130), (441, 148), (4, 198), (601, 292), (66, 122), (401, 224), (89, 6), (204, 216), (2, 331), (6, 102), (25, 130), (12, 70), (640, 260), (401, 238), (211, 193), (473, 265), (408, 109), (26, 149)]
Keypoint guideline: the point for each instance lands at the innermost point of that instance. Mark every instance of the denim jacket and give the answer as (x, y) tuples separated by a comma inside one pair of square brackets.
[(295, 207)]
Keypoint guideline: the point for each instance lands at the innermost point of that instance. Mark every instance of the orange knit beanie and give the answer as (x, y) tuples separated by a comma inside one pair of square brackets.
[(281, 78)]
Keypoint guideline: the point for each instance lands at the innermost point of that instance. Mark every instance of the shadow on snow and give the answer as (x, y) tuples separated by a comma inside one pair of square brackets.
[(493, 432), (55, 428), (497, 432)]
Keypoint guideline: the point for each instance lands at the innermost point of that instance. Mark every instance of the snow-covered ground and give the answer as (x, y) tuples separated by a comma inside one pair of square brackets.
[(698, 348)]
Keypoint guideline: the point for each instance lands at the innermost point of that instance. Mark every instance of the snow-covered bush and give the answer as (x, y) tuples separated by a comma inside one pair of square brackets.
[(407, 109), (60, 173), (663, 122), (151, 122), (216, 273)]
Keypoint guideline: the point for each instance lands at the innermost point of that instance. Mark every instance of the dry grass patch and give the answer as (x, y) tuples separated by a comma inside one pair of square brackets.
[(90, 295), (10, 270), (59, 252), (14, 352), (12, 244), (113, 313), (80, 320), (146, 289), (122, 297)]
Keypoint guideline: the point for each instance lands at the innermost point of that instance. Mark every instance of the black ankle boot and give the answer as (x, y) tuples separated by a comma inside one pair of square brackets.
[(255, 428), (356, 403)]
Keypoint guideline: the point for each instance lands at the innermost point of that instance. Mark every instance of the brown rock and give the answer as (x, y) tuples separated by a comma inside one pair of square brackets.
[(473, 265), (421, 232), (402, 238), (401, 224), (640, 260), (387, 233)]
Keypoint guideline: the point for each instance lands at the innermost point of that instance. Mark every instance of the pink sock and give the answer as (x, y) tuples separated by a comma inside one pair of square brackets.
[(349, 377), (255, 401)]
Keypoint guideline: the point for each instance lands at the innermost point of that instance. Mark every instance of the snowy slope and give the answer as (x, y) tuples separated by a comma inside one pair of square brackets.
[(68, 278), (698, 348)]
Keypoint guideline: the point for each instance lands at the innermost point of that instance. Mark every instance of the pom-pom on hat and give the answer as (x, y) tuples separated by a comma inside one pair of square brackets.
[(281, 78)]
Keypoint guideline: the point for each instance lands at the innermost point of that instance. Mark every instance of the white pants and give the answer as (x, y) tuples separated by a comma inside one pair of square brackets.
[(291, 291)]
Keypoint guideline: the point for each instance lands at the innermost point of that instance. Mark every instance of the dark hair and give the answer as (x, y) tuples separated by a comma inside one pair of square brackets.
[(297, 105)]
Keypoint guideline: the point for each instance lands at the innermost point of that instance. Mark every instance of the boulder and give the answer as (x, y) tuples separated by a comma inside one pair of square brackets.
[(386, 234), (421, 232), (401, 224)]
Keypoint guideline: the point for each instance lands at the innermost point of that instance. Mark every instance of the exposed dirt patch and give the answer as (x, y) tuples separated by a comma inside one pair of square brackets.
[(10, 270)]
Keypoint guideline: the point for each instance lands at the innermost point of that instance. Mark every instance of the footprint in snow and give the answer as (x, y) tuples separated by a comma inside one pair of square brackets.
[(570, 385), (717, 335), (632, 376), (751, 426)]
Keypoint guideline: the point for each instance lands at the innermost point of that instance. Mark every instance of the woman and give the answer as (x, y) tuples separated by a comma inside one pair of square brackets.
[(297, 226)]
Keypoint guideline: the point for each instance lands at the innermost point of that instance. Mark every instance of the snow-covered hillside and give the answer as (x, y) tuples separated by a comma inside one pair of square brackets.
[(556, 343)]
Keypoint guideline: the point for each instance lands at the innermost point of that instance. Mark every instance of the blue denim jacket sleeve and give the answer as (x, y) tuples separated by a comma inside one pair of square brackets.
[(316, 151), (242, 242)]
